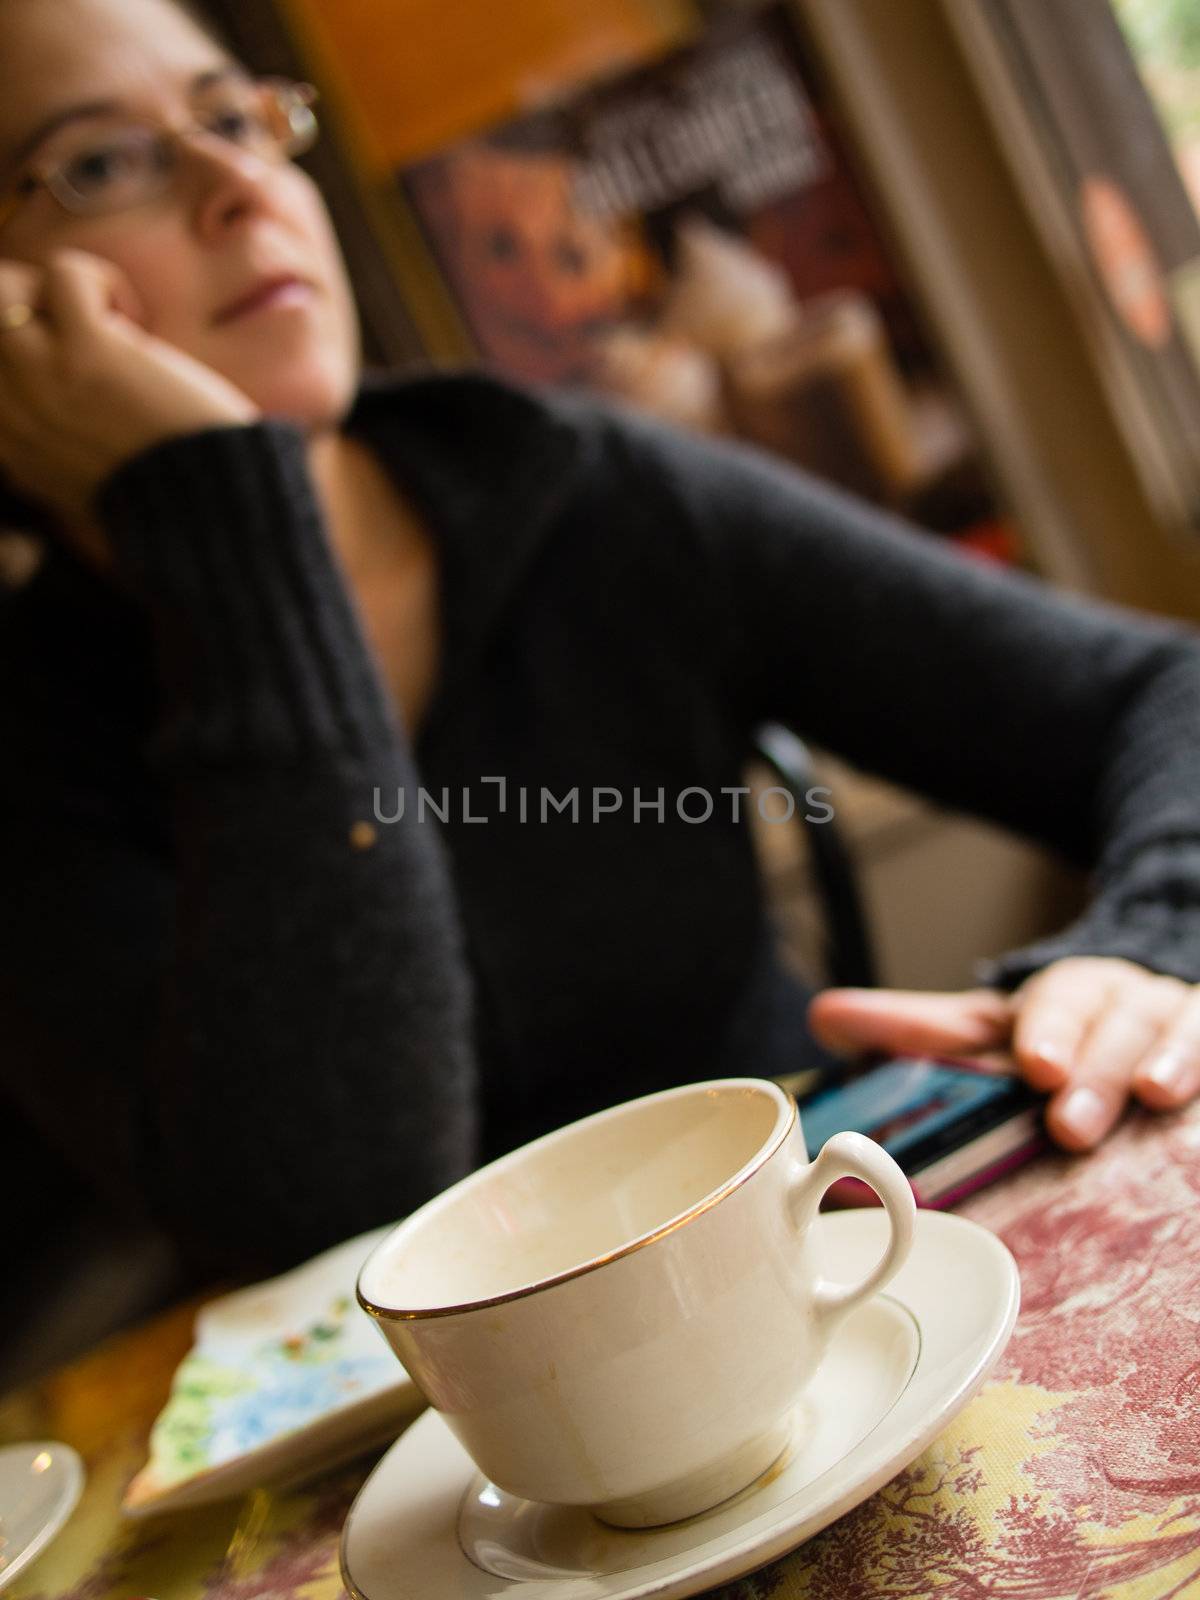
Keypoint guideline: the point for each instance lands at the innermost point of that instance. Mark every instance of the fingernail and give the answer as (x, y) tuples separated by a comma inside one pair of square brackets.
[(1169, 1072), (1053, 1056), (1084, 1114)]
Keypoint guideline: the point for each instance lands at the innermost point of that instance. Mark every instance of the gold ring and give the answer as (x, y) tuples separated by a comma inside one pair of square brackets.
[(16, 315)]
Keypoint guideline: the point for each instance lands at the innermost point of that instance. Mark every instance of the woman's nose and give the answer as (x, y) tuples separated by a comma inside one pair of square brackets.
[(228, 184)]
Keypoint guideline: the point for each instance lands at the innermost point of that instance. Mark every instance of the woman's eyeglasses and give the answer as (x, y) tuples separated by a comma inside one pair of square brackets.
[(109, 166)]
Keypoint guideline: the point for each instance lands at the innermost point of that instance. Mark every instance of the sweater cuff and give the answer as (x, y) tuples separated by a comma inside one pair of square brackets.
[(1163, 938), (220, 535), (1149, 912)]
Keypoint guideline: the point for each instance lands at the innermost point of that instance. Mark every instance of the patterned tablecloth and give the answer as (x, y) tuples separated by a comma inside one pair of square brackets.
[(1074, 1474)]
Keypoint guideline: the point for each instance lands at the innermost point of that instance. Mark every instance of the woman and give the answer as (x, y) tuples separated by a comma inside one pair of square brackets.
[(281, 601)]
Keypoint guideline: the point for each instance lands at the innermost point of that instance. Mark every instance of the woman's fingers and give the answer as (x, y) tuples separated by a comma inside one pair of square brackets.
[(20, 284), (1168, 1075), (85, 386), (1054, 1010), (80, 291), (910, 1022), (1091, 1028), (1091, 1103), (74, 297)]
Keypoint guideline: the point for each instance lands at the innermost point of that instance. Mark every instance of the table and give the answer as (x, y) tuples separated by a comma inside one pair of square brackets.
[(1073, 1475)]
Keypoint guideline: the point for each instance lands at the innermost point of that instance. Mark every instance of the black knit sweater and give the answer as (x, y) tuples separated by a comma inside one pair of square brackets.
[(234, 981)]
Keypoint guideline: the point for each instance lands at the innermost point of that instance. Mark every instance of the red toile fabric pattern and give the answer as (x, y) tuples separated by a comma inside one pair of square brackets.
[(1073, 1475)]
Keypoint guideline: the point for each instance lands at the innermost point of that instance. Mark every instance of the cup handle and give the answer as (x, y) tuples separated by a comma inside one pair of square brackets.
[(852, 1155)]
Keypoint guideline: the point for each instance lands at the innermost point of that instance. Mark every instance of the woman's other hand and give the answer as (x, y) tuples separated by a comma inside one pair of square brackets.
[(1092, 1031), (84, 387)]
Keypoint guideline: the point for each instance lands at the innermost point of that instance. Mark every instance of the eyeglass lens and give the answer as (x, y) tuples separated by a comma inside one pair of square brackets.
[(110, 164)]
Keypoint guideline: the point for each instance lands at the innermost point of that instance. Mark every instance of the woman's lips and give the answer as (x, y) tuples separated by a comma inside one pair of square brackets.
[(273, 294)]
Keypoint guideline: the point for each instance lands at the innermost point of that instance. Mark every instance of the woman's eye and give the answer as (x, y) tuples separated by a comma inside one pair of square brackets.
[(103, 166), (239, 127)]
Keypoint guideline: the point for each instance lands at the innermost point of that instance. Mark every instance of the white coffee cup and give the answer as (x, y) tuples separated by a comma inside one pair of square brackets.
[(623, 1314)]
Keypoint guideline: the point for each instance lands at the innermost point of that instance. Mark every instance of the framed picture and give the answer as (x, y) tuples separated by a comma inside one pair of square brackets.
[(691, 236)]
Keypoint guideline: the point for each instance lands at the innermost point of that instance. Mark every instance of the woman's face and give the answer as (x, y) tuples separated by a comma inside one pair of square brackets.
[(230, 219)]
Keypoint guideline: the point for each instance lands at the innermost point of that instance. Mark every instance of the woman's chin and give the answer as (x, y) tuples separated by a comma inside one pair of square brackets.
[(313, 398)]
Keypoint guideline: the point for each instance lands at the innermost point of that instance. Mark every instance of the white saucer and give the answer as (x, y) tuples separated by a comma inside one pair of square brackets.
[(40, 1485), (899, 1369)]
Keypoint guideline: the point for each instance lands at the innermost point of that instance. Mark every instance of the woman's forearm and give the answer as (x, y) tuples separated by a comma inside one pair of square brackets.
[(314, 1069)]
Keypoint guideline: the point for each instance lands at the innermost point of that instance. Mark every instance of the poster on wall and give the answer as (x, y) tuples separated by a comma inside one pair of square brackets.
[(1110, 103), (691, 237)]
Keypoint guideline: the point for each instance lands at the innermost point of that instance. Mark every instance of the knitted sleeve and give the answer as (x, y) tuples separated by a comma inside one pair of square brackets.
[(1072, 722), (314, 1073)]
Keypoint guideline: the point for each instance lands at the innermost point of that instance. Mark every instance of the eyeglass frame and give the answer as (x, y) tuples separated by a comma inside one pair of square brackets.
[(303, 96)]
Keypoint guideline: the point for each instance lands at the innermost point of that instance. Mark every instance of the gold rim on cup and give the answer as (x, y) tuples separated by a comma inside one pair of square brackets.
[(730, 1186)]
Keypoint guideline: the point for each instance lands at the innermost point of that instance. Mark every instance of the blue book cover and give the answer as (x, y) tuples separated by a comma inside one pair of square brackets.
[(903, 1105)]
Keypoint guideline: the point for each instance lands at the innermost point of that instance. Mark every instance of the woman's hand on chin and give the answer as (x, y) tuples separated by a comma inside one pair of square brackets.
[(1092, 1031), (83, 387)]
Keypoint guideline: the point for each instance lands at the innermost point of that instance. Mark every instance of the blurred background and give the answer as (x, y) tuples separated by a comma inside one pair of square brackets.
[(943, 252)]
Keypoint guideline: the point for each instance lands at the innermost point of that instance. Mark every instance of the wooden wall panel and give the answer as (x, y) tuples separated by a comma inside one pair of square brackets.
[(420, 73)]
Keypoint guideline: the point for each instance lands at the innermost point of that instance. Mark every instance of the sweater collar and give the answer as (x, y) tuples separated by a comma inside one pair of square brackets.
[(470, 444), (488, 464)]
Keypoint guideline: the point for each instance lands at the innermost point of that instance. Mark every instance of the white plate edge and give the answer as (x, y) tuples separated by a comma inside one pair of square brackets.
[(242, 1472), (76, 1481)]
